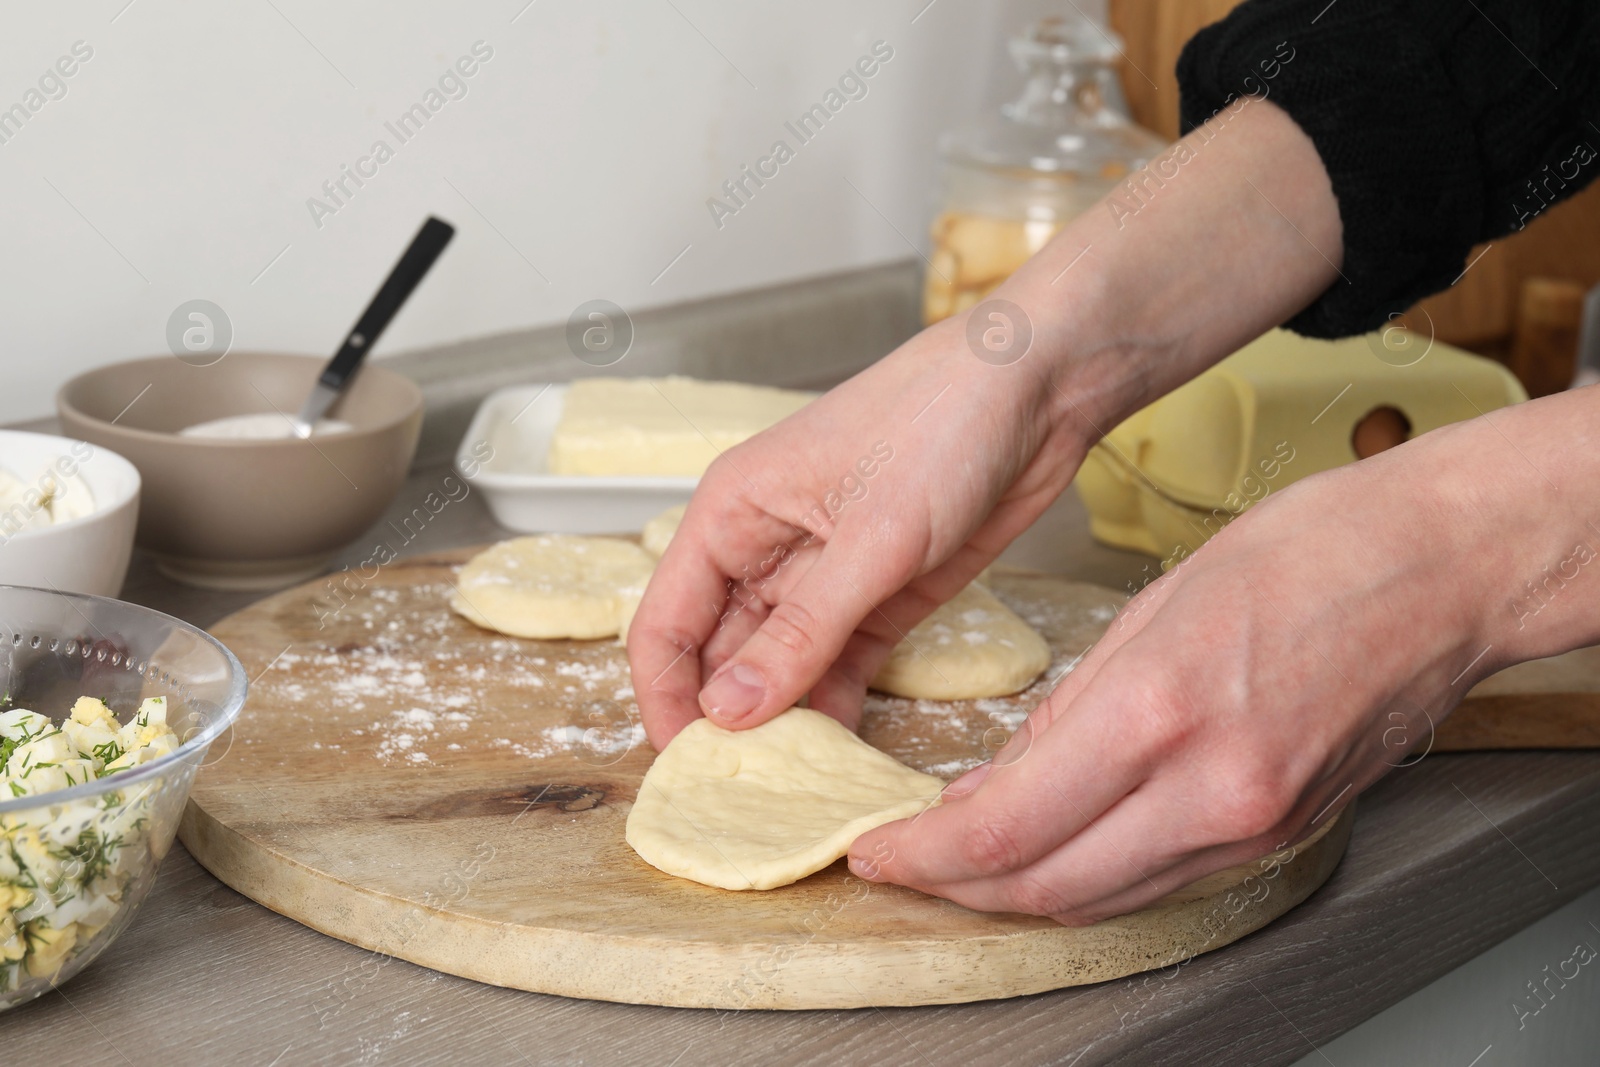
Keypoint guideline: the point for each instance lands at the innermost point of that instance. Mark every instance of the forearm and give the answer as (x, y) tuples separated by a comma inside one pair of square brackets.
[(1128, 305), (1226, 236), (1526, 486)]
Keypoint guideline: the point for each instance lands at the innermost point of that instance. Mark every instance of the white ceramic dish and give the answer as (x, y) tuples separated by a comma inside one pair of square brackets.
[(504, 453), (88, 554)]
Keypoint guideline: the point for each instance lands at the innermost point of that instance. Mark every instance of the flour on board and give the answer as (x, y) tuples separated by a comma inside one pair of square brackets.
[(392, 671), (414, 697)]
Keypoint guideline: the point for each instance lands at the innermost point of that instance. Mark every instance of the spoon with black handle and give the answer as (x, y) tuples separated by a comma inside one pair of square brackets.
[(396, 289)]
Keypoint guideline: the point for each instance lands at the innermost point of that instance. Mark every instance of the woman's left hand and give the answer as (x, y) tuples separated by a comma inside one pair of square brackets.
[(1234, 704)]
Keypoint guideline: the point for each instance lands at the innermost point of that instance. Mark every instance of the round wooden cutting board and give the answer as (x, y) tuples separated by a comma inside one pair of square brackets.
[(417, 786)]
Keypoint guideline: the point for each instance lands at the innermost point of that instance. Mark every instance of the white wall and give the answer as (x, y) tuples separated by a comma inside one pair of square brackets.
[(179, 162)]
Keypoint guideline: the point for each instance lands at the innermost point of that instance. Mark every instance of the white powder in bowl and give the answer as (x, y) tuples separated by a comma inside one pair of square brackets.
[(265, 426)]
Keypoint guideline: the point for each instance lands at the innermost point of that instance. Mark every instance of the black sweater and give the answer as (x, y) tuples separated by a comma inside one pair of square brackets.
[(1442, 123)]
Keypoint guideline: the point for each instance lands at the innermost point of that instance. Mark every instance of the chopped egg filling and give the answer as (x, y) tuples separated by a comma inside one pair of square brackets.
[(65, 867)]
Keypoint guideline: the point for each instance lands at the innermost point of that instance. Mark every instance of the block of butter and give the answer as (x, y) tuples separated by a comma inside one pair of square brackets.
[(660, 426)]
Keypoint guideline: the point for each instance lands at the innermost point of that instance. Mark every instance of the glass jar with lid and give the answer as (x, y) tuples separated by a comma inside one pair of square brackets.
[(1014, 179)]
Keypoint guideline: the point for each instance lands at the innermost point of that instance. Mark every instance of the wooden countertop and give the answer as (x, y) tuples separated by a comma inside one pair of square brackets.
[(1449, 857)]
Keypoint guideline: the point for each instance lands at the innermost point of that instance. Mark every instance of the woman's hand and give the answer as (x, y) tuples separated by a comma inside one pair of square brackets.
[(809, 550), (1244, 697)]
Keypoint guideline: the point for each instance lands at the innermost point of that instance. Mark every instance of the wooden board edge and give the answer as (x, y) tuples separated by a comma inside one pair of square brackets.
[(818, 975), (1521, 721), (1041, 963)]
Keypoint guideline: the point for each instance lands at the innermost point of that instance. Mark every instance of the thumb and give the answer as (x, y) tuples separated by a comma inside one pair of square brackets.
[(801, 637)]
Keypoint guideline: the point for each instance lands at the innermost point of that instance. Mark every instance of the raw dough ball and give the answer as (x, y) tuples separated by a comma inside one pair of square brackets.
[(553, 586), (631, 598), (657, 533), (972, 647), (760, 808)]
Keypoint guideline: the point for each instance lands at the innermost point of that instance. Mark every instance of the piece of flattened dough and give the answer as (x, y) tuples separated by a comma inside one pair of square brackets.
[(760, 808), (969, 648), (553, 586), (658, 532)]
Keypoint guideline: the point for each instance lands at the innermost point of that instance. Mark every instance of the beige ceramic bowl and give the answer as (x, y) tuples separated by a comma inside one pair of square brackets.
[(247, 514)]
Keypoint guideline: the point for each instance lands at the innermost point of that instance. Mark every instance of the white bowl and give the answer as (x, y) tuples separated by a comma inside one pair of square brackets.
[(504, 453), (84, 555)]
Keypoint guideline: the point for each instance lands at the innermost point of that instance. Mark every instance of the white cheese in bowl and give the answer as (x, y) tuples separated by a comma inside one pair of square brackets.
[(48, 499)]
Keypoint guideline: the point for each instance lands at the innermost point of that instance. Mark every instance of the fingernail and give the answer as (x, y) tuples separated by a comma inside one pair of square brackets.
[(969, 781), (866, 868), (1016, 746), (734, 693)]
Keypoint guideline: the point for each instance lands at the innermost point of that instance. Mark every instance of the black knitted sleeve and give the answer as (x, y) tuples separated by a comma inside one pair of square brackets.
[(1442, 123)]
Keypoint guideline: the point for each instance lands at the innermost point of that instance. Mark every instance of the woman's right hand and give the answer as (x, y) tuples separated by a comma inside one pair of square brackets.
[(809, 551), (1121, 309)]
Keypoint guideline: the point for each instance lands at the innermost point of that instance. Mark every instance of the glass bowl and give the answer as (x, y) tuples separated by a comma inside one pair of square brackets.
[(84, 857)]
